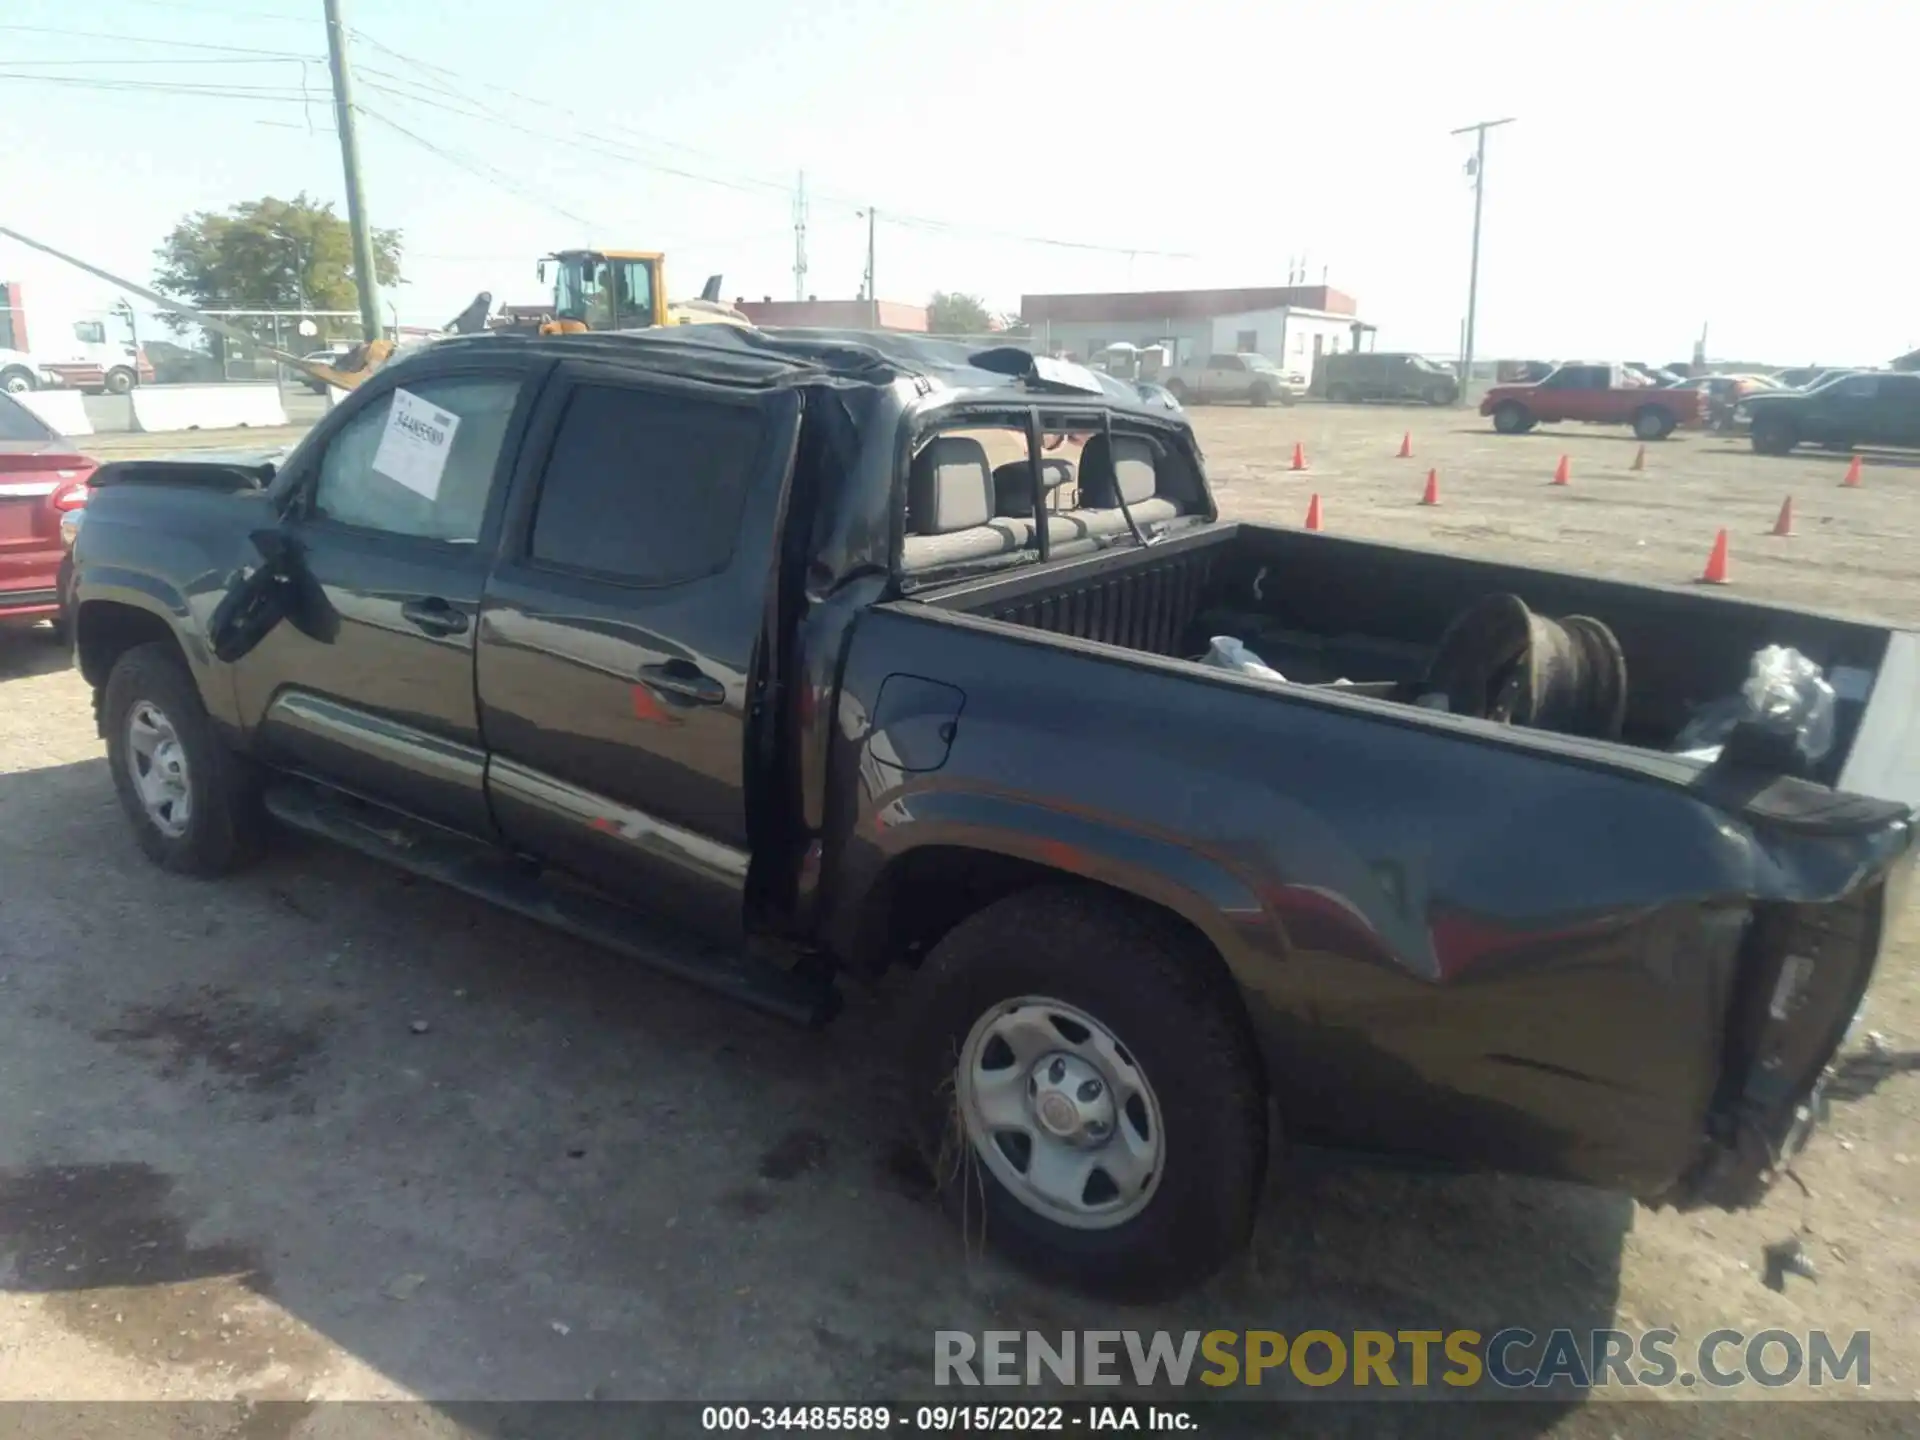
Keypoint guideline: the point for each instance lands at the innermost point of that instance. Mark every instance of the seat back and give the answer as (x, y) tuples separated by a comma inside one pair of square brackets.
[(1013, 490), (950, 486), (1126, 468)]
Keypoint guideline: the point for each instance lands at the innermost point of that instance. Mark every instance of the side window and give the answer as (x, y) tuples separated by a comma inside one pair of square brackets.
[(1224, 362), (1246, 341), (419, 461), (1858, 387), (644, 487)]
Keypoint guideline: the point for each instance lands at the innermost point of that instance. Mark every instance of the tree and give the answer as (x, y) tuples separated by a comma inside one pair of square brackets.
[(270, 254), (952, 313)]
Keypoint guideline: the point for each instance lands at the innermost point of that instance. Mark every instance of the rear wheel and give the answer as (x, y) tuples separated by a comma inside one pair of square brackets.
[(16, 380), (1512, 418), (1652, 423), (1083, 1083), (1339, 394), (1773, 435), (120, 381), (191, 800)]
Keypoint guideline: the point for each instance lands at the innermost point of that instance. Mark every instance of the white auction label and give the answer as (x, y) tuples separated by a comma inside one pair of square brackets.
[(415, 445)]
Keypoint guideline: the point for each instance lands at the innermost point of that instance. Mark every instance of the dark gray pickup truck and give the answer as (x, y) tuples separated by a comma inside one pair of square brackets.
[(774, 658)]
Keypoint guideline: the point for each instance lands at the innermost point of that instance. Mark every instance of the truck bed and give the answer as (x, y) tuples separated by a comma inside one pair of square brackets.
[(1321, 608)]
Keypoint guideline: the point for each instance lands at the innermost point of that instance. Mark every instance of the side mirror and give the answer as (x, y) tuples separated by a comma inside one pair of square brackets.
[(258, 598)]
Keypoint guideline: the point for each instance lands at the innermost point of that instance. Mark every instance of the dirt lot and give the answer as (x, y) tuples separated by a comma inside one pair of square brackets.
[(319, 1132)]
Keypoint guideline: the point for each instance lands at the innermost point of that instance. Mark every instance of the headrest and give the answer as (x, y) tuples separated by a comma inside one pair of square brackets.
[(950, 486), (1127, 471), (1013, 491)]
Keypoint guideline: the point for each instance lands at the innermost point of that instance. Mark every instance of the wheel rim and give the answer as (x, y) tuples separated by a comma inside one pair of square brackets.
[(16, 386), (157, 765), (1059, 1111)]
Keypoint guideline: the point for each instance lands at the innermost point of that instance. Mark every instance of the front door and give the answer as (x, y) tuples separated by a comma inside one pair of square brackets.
[(394, 511), (619, 652)]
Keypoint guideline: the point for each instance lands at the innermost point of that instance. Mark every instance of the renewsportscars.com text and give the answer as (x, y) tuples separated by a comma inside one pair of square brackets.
[(1376, 1361)]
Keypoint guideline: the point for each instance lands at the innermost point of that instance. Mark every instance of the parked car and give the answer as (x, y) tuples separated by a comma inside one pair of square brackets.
[(1867, 407), (734, 652), (42, 479), (1725, 392), (1380, 375), (1253, 378), (1597, 395), (331, 355), (1805, 377)]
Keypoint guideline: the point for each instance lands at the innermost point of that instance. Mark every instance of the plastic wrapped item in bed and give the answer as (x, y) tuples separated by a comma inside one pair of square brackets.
[(1782, 717)]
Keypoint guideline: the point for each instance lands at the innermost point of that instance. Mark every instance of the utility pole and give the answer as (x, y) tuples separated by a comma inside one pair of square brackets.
[(365, 278), (1473, 275), (800, 239), (873, 296)]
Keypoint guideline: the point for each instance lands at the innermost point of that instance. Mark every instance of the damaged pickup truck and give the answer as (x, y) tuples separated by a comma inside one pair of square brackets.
[(781, 659)]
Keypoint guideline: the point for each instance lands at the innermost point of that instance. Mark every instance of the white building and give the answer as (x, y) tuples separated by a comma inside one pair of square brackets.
[(1292, 325)]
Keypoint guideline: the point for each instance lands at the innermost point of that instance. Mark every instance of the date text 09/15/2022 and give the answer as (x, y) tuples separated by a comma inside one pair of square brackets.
[(946, 1419)]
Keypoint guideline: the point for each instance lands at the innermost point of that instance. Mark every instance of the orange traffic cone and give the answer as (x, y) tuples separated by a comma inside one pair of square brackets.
[(1406, 445), (1432, 497), (1299, 456), (1852, 482), (1784, 525), (1716, 571), (1639, 459), (1563, 472), (1313, 513)]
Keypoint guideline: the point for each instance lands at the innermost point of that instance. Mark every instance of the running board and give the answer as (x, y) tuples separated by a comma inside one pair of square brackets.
[(492, 875)]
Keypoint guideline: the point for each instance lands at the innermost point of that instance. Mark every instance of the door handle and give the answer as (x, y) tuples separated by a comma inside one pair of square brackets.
[(684, 682), (435, 616)]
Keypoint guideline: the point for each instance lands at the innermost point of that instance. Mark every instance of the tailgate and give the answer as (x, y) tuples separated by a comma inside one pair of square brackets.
[(1842, 860)]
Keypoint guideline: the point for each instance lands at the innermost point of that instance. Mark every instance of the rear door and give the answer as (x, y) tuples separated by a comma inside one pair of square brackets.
[(620, 636), (396, 507), (1849, 412)]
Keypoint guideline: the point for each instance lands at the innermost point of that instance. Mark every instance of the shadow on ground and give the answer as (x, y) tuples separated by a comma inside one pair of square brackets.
[(29, 652), (318, 1130)]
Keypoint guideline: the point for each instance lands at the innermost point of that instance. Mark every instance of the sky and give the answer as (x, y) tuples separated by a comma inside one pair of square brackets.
[(1670, 166)]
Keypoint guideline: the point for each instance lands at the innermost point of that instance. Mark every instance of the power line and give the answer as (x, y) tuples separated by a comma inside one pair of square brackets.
[(746, 185), (154, 40), (230, 13), (478, 168), (279, 94)]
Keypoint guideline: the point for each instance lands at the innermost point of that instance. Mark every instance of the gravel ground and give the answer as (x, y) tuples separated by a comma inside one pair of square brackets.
[(319, 1132)]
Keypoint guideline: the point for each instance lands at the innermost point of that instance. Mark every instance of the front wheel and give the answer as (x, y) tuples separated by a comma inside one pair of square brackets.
[(1338, 394), (1440, 395), (1512, 418), (17, 380), (1178, 390), (1083, 1083), (191, 800), (119, 382), (1260, 395)]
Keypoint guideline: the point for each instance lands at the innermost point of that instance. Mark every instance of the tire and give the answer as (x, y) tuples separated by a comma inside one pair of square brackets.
[(1510, 417), (222, 824), (1339, 394), (120, 381), (1260, 395), (1650, 422), (1773, 436), (1440, 395), (1176, 1028), (17, 380)]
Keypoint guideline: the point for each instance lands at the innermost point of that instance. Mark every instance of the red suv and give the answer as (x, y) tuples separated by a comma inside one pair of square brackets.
[(42, 479)]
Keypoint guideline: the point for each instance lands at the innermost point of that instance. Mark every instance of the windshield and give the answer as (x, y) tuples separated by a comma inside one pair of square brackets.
[(579, 285), (1421, 362), (1259, 362)]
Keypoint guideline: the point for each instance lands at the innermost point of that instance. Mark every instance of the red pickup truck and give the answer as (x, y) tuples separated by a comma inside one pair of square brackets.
[(1598, 395)]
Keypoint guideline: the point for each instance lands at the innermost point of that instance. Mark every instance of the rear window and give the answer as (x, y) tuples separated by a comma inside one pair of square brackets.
[(19, 423), (645, 488)]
